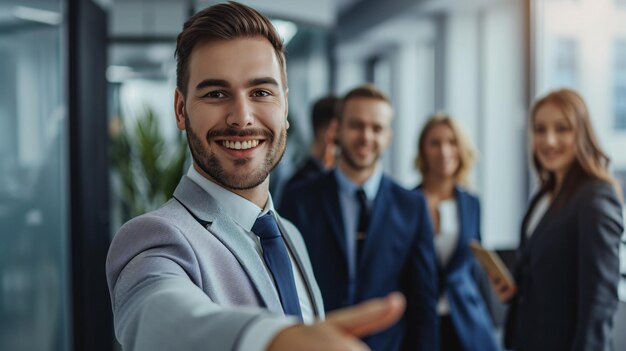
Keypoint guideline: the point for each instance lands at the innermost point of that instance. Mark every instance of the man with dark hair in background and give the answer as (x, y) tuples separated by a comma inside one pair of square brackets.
[(322, 154), (216, 268)]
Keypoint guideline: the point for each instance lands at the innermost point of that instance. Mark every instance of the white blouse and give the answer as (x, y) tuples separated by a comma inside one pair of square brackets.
[(535, 217), (446, 241), (447, 238)]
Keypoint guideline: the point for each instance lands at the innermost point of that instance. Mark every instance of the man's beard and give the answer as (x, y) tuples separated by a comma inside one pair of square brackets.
[(237, 180), (351, 162)]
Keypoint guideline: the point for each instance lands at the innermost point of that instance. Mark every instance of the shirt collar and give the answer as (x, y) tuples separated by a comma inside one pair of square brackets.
[(370, 186), (236, 207)]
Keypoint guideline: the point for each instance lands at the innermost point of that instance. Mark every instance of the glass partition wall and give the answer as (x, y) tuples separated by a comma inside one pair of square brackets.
[(34, 196)]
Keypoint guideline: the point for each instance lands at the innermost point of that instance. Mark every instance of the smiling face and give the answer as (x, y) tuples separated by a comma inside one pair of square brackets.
[(441, 151), (235, 111), (364, 132), (554, 140)]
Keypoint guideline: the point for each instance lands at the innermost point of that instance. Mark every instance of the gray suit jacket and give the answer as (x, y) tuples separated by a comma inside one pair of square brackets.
[(183, 277)]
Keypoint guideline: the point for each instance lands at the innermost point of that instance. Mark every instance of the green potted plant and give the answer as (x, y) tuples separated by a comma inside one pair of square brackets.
[(145, 167)]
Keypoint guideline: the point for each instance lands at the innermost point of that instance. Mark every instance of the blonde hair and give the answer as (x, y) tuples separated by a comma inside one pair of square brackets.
[(467, 153)]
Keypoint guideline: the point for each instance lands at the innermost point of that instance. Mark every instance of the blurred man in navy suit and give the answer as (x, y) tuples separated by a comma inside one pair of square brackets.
[(366, 235)]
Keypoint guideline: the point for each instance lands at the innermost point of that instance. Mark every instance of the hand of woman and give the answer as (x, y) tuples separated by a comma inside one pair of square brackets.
[(504, 290)]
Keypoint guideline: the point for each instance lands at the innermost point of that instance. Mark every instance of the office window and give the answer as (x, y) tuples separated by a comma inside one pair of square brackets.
[(566, 63), (620, 85)]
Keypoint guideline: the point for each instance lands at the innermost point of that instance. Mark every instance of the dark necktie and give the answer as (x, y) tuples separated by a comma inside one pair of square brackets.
[(364, 220), (277, 260)]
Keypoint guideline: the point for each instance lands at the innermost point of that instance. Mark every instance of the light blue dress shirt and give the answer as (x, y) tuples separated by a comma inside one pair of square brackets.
[(350, 209)]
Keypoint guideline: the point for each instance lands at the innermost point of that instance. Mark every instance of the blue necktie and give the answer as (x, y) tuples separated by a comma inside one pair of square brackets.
[(277, 260)]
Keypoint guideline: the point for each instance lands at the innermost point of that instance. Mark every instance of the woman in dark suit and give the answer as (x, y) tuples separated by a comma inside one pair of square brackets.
[(445, 158), (568, 267)]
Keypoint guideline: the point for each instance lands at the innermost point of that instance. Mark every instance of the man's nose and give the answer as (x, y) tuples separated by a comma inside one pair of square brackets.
[(367, 134), (240, 113)]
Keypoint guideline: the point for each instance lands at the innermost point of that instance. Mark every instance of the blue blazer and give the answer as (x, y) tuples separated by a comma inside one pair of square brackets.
[(567, 274), (398, 255), (468, 311)]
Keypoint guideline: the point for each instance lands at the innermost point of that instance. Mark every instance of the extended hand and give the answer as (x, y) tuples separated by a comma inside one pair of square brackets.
[(342, 329)]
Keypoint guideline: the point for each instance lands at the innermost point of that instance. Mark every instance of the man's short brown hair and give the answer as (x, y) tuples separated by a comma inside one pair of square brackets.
[(368, 91), (225, 21)]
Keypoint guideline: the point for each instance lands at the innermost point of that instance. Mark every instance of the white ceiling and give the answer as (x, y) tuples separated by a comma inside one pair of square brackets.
[(143, 32)]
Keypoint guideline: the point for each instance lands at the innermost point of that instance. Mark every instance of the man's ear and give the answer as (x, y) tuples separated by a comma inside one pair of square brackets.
[(179, 109), (287, 105)]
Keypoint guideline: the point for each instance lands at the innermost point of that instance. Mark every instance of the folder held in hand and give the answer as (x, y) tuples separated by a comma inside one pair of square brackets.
[(491, 263)]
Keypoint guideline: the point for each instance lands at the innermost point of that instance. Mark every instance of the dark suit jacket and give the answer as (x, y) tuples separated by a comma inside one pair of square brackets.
[(398, 255), (468, 311), (308, 170), (567, 275)]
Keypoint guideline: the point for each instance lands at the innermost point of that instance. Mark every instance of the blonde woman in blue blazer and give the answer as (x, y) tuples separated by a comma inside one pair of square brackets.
[(445, 158)]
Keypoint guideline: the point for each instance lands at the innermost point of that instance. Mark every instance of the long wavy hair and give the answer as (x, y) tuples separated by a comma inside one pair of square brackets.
[(467, 154), (590, 162)]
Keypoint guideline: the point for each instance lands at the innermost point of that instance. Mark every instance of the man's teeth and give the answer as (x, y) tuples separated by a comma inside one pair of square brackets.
[(240, 145)]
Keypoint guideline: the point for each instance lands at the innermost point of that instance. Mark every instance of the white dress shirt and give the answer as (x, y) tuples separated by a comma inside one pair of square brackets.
[(244, 213)]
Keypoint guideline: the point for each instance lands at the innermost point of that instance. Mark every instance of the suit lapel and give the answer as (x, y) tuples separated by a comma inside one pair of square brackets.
[(526, 242), (305, 269), (206, 210), (233, 238), (329, 201), (531, 206), (463, 208)]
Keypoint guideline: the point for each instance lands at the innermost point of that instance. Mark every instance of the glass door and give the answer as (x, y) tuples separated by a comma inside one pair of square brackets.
[(34, 232)]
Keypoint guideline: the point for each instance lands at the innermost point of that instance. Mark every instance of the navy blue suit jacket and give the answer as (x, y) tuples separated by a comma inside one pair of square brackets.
[(398, 255), (468, 311), (567, 275), (310, 169)]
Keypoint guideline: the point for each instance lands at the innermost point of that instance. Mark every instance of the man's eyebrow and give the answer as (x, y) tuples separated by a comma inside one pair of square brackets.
[(262, 80), (224, 84), (212, 83)]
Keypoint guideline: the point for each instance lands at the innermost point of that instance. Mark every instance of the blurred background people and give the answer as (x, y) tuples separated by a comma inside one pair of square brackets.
[(365, 234), (568, 267), (322, 154), (445, 158)]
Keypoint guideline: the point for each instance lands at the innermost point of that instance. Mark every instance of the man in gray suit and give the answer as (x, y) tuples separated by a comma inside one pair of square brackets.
[(216, 268)]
